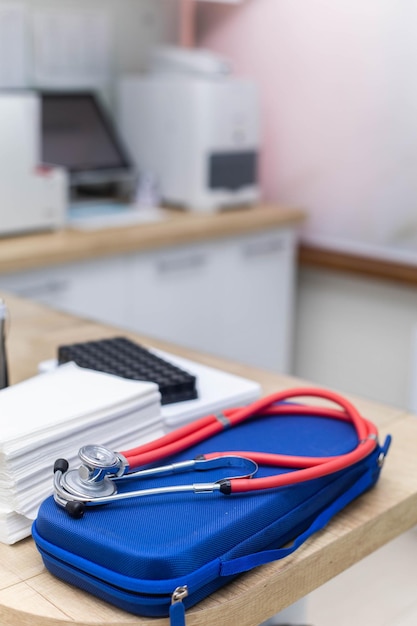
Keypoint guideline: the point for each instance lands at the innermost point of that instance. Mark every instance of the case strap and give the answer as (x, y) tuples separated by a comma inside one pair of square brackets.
[(245, 563), (177, 614)]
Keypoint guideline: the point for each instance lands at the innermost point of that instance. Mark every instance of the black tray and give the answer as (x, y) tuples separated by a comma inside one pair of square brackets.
[(124, 358)]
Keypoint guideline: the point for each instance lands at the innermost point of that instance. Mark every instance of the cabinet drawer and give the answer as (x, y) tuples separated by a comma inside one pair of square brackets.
[(233, 298), (96, 290)]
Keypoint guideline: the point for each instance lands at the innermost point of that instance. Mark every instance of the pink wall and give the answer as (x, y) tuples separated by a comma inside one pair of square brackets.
[(339, 101)]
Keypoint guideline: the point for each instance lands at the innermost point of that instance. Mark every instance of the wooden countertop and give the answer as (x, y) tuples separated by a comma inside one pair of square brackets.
[(44, 249), (389, 264), (30, 596)]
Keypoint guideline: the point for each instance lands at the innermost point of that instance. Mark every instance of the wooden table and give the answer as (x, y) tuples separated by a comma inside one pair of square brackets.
[(30, 596)]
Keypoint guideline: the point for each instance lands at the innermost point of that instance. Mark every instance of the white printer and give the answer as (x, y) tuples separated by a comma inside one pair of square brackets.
[(32, 197), (194, 127)]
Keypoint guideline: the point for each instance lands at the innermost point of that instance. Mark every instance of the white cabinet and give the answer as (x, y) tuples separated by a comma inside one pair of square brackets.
[(232, 297), (94, 289)]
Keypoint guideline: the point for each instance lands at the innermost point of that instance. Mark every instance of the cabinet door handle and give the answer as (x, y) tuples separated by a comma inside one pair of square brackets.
[(171, 265), (43, 289), (262, 248)]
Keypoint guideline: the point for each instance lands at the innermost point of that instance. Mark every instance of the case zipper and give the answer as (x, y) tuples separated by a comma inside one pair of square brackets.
[(177, 610)]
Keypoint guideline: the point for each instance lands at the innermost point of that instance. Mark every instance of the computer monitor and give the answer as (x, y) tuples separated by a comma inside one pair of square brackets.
[(78, 134)]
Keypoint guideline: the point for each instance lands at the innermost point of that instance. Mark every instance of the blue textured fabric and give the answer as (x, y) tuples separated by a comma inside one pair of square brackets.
[(134, 553)]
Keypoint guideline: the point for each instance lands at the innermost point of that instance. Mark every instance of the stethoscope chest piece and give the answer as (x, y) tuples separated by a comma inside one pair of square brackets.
[(74, 482), (92, 478)]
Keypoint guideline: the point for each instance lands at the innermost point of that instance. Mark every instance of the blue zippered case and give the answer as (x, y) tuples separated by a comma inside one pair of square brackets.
[(157, 555)]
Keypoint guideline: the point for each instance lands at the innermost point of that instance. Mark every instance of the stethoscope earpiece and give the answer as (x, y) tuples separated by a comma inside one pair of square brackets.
[(75, 509)]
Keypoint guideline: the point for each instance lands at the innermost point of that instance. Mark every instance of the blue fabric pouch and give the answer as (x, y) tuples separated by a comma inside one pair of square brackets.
[(158, 555)]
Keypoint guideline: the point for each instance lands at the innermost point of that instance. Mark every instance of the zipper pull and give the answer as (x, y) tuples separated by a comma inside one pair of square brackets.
[(177, 610)]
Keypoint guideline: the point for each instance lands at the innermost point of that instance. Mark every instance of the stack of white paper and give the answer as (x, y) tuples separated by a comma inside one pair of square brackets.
[(52, 415)]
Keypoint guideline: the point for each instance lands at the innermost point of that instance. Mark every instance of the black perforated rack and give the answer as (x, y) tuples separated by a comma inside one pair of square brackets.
[(124, 358)]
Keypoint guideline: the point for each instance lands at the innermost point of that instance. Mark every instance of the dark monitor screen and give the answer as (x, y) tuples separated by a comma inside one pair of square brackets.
[(78, 135)]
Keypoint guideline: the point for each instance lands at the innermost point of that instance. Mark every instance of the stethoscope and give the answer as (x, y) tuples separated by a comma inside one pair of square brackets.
[(95, 481)]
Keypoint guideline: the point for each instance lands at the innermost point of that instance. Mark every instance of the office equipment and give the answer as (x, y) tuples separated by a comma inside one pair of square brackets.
[(122, 357), (78, 134), (195, 127), (329, 457), (171, 59), (32, 197), (4, 375), (95, 216)]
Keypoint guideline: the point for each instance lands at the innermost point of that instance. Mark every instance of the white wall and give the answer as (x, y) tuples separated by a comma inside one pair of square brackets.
[(356, 335)]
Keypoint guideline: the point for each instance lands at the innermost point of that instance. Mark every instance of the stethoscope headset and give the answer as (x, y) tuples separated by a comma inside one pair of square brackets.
[(95, 481)]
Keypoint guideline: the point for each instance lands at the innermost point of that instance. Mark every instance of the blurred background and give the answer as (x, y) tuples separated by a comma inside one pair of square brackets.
[(330, 102)]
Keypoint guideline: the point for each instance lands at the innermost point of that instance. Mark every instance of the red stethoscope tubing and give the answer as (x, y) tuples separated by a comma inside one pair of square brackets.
[(306, 468)]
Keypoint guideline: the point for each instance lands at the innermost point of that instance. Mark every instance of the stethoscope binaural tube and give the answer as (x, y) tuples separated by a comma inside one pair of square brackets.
[(124, 464)]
